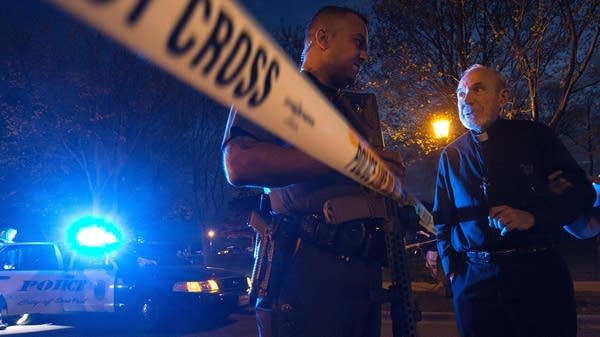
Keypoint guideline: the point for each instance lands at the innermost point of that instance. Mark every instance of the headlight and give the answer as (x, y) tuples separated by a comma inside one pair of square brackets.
[(209, 286)]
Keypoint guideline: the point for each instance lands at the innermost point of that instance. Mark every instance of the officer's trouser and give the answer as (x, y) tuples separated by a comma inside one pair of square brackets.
[(324, 296)]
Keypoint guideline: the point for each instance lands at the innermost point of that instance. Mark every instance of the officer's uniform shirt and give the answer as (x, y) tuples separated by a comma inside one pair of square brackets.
[(308, 197)]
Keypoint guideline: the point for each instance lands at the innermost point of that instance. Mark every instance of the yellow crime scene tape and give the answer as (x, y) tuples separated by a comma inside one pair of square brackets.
[(216, 47)]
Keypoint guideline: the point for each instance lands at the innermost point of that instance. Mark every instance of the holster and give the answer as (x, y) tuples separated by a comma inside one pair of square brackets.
[(275, 245), (348, 208)]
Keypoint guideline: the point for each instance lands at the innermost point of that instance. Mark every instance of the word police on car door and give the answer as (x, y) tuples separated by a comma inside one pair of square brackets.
[(38, 278)]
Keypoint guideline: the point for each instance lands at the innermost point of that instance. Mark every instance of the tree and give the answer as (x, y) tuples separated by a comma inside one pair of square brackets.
[(211, 190), (581, 125), (291, 39), (88, 124), (421, 48), (552, 39)]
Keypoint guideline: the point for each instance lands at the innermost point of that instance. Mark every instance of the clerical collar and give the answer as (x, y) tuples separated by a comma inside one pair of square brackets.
[(479, 138), (490, 132), (482, 137)]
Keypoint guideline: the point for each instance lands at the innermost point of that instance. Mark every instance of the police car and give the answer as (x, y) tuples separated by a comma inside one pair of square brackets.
[(150, 283)]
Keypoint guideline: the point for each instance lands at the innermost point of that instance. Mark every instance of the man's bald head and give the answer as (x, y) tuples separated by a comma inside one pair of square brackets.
[(326, 18)]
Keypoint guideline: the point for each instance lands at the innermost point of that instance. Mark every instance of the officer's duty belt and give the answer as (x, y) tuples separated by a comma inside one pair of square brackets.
[(478, 256), (360, 238)]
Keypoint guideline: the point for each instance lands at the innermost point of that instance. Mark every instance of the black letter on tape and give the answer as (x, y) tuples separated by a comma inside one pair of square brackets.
[(215, 41), (273, 71), (243, 41), (137, 12), (172, 45), (260, 58)]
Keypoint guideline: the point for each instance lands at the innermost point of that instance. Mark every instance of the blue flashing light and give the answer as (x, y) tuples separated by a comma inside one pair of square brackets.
[(597, 188), (92, 235), (95, 236)]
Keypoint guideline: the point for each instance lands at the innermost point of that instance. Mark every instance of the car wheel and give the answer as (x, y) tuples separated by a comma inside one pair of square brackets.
[(147, 312), (3, 323), (3, 312)]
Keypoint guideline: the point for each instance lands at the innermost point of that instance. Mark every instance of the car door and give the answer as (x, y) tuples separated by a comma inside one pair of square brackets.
[(30, 278), (97, 275)]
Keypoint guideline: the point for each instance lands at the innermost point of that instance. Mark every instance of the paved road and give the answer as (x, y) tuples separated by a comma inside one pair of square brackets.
[(242, 325)]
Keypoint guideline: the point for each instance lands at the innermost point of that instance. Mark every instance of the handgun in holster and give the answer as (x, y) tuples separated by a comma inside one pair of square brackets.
[(275, 243)]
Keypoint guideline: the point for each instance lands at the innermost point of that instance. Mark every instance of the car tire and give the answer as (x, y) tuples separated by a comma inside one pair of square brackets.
[(3, 313), (3, 322), (148, 312)]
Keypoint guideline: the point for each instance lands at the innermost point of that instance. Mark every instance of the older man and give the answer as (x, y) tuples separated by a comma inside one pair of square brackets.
[(497, 221)]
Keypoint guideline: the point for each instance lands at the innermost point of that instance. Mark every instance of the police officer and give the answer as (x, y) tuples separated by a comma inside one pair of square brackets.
[(326, 288), (8, 235)]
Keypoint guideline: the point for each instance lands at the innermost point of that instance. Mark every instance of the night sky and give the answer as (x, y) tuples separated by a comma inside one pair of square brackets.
[(272, 13)]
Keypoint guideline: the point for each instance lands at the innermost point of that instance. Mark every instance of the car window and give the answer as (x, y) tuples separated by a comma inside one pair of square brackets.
[(29, 257), (80, 262), (163, 257), (159, 255)]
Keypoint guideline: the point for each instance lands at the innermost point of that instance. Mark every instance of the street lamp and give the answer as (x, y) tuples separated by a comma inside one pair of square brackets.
[(441, 128), (211, 235)]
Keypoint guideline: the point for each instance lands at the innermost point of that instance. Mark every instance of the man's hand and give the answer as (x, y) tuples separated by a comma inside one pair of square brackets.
[(556, 184), (507, 219), (424, 233)]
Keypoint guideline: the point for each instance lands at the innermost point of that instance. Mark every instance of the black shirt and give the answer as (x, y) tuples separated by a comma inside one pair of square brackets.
[(510, 168), (359, 109)]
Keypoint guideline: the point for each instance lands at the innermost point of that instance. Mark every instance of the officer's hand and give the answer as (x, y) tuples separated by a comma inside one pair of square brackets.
[(506, 219), (424, 233), (556, 184)]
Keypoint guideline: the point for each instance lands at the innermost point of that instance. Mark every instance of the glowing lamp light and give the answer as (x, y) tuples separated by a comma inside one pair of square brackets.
[(441, 128), (211, 235)]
